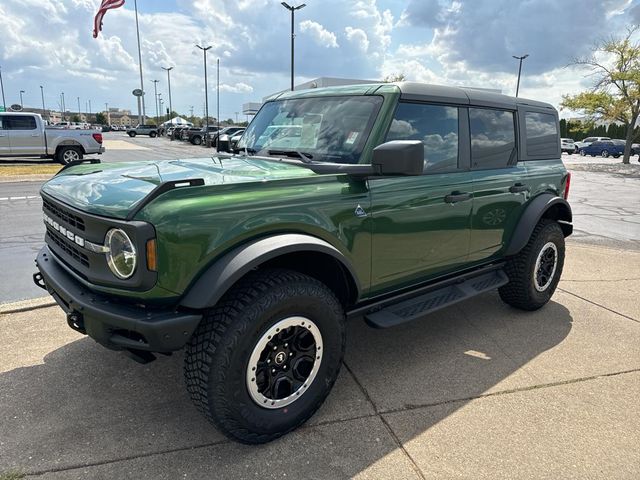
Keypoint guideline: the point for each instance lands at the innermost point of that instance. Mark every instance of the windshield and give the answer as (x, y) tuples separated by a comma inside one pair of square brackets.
[(329, 129)]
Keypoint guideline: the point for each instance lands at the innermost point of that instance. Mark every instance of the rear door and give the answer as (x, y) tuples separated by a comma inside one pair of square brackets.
[(499, 181), (25, 135), (421, 224), (5, 147)]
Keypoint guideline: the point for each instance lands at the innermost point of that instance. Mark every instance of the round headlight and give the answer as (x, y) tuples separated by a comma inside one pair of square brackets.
[(121, 256)]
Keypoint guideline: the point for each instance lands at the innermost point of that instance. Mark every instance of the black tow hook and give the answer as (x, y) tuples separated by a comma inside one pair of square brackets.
[(76, 321), (38, 280)]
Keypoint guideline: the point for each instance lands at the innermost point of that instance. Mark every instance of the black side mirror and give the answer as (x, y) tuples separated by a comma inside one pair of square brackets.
[(399, 157)]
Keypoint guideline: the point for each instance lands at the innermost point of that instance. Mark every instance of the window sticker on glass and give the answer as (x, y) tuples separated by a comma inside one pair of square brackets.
[(310, 126), (351, 138)]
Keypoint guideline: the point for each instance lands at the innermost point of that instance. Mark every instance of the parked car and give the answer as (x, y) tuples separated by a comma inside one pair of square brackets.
[(25, 135), (223, 131), (235, 138), (150, 130), (604, 148), (180, 131), (635, 147), (588, 141), (252, 263), (567, 145), (197, 136)]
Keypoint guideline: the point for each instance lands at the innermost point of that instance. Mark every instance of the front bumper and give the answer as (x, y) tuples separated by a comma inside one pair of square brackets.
[(117, 326)]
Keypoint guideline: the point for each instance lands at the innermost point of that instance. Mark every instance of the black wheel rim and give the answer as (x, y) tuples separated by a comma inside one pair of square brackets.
[(284, 362), (545, 268)]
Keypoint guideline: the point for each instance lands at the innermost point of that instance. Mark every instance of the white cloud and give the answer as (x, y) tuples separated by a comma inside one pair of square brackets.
[(239, 87), (321, 35), (358, 37)]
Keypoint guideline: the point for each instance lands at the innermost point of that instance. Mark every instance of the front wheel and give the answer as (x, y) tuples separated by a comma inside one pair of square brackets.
[(132, 134), (267, 355), (196, 140), (152, 134), (604, 153), (535, 271)]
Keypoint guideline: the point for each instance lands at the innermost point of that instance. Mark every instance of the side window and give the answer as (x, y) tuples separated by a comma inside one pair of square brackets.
[(21, 122), (436, 126), (542, 134), (493, 138)]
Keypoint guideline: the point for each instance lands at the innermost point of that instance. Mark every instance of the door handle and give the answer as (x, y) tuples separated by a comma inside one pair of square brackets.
[(35, 134), (3, 134), (455, 197), (519, 188)]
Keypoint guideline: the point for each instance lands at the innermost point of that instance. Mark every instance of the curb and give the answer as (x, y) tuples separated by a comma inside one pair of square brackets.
[(26, 305)]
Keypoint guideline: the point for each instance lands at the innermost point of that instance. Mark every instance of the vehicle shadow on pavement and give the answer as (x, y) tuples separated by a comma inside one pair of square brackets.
[(86, 405)]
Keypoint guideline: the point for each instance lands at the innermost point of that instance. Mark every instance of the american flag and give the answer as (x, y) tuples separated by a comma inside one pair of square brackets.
[(104, 6)]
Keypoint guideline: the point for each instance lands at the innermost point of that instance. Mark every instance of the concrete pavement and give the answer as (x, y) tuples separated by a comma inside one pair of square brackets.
[(478, 390)]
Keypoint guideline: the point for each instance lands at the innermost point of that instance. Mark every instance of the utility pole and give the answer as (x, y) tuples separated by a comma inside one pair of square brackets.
[(191, 110), (155, 97), (106, 110), (4, 103), (237, 117), (218, 104), (519, 70), (140, 118), (64, 109), (206, 92), (168, 69), (44, 110), (89, 106), (292, 9), (21, 93), (79, 113)]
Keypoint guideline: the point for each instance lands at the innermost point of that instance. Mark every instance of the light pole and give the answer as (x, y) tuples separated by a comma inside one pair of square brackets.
[(21, 93), (106, 110), (141, 119), (519, 70), (155, 97), (168, 69), (44, 110), (218, 103), (206, 93), (79, 112), (4, 103), (63, 106), (292, 9)]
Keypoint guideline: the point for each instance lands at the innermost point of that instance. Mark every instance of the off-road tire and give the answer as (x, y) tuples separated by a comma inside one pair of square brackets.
[(64, 155), (217, 355), (520, 292), (197, 140), (132, 134), (152, 134)]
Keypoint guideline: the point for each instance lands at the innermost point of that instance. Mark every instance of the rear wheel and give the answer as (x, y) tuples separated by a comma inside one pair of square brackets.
[(535, 271), (583, 153), (197, 140), (66, 155), (264, 359)]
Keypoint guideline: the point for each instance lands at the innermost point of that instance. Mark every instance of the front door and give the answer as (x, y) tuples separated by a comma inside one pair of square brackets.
[(25, 136), (4, 137), (421, 224)]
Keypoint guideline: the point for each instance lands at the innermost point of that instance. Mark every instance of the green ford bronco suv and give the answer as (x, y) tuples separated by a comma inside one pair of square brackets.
[(383, 202)]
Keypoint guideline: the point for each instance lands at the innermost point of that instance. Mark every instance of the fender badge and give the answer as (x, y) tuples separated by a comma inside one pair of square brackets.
[(360, 212)]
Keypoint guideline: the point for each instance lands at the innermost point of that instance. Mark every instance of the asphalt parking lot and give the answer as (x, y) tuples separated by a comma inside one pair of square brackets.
[(478, 390)]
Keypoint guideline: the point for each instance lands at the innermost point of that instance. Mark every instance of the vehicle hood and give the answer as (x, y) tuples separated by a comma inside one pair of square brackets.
[(114, 189)]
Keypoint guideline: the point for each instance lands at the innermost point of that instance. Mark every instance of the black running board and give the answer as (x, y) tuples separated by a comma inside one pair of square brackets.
[(420, 306)]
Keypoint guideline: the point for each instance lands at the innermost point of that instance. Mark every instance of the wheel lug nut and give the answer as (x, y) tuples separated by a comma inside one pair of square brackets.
[(275, 348), (286, 345), (291, 354), (268, 360), (273, 370)]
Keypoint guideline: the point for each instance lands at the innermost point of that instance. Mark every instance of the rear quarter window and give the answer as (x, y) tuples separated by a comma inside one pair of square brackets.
[(541, 134)]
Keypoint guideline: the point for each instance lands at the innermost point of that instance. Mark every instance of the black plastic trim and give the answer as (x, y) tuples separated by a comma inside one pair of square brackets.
[(231, 267), (163, 188), (532, 214)]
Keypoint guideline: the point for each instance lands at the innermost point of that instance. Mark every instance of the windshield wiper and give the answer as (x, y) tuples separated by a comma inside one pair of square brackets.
[(304, 156)]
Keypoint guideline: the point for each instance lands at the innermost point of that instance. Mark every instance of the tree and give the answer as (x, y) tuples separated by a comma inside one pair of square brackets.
[(563, 128), (615, 95), (394, 77), (75, 118), (101, 118)]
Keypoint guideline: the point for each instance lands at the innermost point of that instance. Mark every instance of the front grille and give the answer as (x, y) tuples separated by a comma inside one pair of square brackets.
[(68, 247), (63, 214)]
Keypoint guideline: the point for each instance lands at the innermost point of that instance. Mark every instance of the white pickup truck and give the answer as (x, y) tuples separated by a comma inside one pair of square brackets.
[(25, 135)]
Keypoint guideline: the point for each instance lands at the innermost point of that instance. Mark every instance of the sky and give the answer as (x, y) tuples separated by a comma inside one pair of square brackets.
[(447, 42)]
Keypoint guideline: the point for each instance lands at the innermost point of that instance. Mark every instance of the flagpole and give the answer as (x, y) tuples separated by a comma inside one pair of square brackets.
[(141, 120)]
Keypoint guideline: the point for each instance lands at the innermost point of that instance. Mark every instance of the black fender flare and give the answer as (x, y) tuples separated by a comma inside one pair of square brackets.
[(536, 210), (218, 278)]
